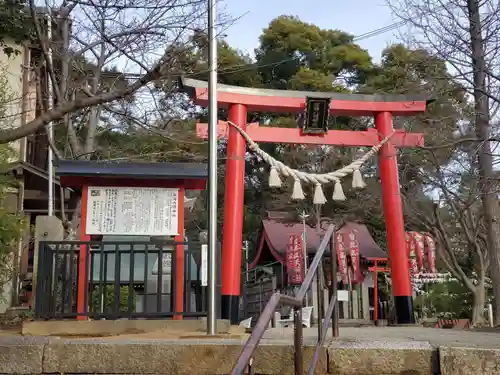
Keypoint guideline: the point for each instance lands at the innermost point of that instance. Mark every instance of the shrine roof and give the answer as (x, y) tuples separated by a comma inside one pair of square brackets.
[(276, 236), (153, 171)]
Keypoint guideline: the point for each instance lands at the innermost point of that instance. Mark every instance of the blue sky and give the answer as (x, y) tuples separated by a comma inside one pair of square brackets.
[(353, 16)]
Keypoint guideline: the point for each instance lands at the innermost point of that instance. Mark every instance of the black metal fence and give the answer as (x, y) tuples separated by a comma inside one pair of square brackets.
[(123, 280)]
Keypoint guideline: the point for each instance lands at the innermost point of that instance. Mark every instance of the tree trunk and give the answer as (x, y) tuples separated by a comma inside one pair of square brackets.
[(478, 301), (485, 158), (73, 231)]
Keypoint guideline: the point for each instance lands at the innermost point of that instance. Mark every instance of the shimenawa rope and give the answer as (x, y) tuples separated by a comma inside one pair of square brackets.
[(278, 168)]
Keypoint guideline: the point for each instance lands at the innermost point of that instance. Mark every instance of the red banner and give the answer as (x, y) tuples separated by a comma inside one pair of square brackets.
[(295, 260), (357, 275), (417, 243), (341, 257), (411, 249), (431, 253), (419, 248)]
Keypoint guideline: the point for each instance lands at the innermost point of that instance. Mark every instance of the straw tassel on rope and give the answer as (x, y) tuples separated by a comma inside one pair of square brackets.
[(274, 178), (319, 196), (338, 192), (357, 180), (298, 193)]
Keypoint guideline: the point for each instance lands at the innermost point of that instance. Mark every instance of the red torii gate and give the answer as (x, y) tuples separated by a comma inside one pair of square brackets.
[(241, 100)]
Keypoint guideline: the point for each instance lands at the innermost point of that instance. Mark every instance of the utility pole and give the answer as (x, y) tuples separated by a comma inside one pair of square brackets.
[(212, 168)]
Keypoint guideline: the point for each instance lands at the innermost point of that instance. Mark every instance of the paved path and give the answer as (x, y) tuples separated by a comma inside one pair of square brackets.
[(395, 336), (349, 337)]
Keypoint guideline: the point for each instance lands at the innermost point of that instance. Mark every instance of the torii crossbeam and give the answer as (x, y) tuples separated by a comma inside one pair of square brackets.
[(241, 100)]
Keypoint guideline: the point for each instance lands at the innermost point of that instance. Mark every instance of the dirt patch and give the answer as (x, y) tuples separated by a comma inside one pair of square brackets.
[(133, 334), (12, 325), (7, 332), (178, 335), (130, 331)]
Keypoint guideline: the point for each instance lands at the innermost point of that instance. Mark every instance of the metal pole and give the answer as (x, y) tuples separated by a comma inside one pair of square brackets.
[(304, 216), (298, 340), (375, 294), (246, 261), (490, 314), (50, 131), (333, 269), (319, 274), (350, 302), (212, 168)]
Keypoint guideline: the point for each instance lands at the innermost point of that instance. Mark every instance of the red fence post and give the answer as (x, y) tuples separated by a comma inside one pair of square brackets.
[(82, 262), (179, 260)]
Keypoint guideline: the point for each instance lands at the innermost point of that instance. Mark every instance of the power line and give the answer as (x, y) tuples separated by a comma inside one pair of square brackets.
[(379, 31)]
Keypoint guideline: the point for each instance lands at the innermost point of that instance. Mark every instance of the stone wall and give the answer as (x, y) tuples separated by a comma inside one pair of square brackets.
[(43, 355)]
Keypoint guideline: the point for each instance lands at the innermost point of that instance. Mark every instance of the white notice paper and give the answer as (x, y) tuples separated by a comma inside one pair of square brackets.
[(204, 265), (132, 211), (342, 295)]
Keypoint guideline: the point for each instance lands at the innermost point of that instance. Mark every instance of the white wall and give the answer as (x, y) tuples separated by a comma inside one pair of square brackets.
[(369, 280)]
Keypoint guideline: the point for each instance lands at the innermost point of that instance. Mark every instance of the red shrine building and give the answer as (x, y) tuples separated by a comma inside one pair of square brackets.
[(269, 263)]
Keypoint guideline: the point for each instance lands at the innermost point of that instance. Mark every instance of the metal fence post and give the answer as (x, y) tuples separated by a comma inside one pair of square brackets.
[(297, 341), (333, 268)]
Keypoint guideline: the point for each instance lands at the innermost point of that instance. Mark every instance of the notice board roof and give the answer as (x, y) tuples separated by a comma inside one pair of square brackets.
[(85, 172)]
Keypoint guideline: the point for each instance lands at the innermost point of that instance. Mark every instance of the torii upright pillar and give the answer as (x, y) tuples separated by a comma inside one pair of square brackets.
[(240, 100)]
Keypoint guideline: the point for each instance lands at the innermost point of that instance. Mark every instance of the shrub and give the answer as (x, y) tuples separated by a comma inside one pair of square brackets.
[(109, 299)]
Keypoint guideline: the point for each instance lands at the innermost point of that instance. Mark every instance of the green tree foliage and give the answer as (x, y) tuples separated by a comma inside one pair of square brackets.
[(234, 67), (290, 47), (413, 72), (447, 300), (108, 300)]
